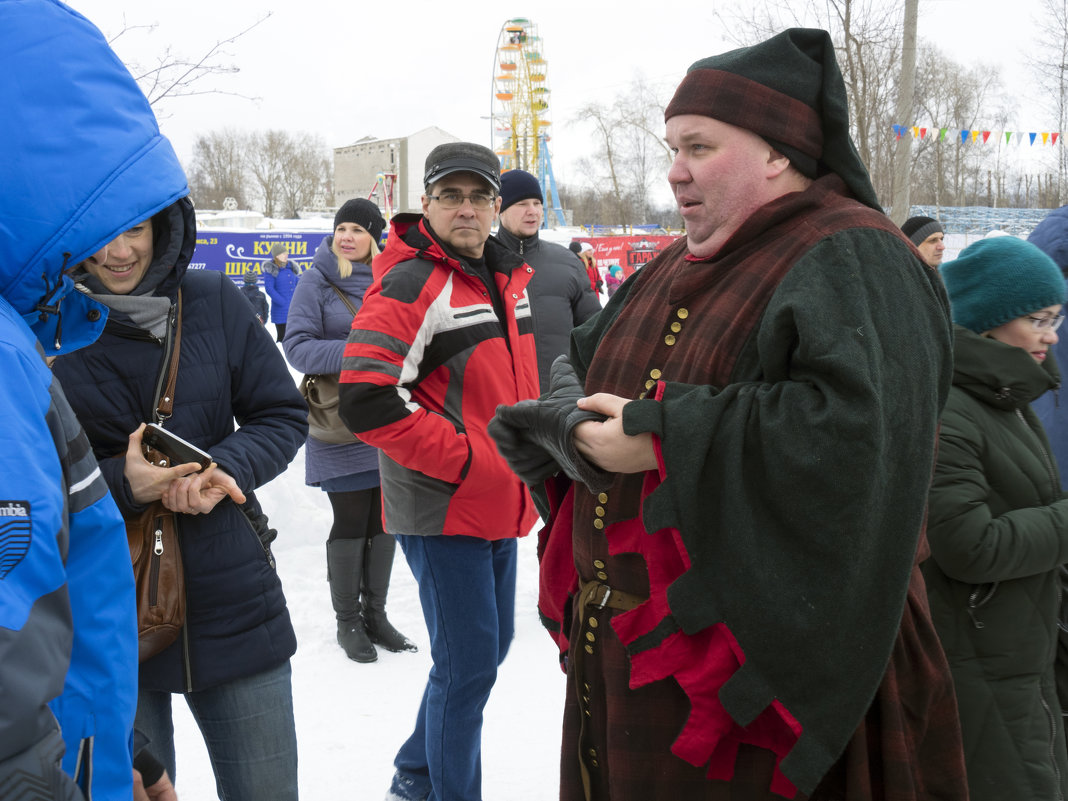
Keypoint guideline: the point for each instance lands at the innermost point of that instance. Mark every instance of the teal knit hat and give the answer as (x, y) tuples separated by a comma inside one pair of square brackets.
[(997, 280)]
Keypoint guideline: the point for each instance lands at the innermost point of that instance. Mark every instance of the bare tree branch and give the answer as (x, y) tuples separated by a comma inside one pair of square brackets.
[(177, 76)]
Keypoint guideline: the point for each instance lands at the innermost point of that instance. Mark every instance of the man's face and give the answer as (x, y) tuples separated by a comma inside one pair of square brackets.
[(464, 229), (523, 218), (933, 248), (122, 263), (719, 176)]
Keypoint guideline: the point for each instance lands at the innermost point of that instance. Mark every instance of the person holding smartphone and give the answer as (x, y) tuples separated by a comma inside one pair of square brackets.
[(231, 660)]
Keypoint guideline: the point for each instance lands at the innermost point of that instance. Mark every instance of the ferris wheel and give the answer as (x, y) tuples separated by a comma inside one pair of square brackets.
[(521, 105)]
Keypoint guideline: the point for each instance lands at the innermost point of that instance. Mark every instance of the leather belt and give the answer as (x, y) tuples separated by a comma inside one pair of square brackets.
[(599, 596)]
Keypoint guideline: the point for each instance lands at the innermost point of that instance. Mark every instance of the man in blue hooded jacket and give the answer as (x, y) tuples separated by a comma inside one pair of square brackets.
[(1051, 235), (80, 143)]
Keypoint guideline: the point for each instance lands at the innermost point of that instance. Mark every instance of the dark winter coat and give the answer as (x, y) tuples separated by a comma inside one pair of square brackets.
[(257, 300), (1051, 235), (319, 323), (998, 530), (560, 296), (237, 623), (280, 283)]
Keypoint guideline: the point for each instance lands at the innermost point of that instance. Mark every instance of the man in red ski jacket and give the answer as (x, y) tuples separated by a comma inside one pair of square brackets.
[(444, 335)]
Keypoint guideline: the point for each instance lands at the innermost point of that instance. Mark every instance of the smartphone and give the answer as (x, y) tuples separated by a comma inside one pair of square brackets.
[(176, 449)]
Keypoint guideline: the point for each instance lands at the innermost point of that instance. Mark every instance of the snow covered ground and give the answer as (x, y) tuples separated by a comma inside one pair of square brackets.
[(352, 718)]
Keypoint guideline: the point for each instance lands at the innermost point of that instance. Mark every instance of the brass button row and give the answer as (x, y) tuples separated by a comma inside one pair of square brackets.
[(599, 511), (676, 327), (654, 376)]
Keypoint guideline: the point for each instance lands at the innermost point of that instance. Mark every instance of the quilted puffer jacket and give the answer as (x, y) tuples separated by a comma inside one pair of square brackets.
[(229, 370), (82, 160), (998, 532)]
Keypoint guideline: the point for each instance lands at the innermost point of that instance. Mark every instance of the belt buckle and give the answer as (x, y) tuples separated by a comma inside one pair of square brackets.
[(607, 595)]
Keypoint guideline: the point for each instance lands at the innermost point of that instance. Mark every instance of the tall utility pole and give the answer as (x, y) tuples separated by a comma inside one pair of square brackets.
[(906, 90)]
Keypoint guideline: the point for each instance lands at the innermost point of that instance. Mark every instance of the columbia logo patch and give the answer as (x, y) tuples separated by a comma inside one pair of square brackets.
[(15, 534)]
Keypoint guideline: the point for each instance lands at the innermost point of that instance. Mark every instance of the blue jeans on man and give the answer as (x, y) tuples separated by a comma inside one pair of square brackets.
[(467, 591), (248, 730)]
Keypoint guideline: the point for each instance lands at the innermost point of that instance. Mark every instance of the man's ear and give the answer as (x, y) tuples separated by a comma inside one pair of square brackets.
[(777, 163), (426, 205)]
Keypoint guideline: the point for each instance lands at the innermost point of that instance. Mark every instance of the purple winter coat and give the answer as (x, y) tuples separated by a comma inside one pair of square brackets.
[(318, 326)]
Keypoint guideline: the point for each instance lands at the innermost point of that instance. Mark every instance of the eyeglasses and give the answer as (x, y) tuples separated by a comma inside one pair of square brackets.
[(1051, 323), (453, 200)]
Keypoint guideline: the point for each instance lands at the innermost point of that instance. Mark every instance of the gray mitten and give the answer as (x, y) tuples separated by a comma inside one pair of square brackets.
[(548, 423)]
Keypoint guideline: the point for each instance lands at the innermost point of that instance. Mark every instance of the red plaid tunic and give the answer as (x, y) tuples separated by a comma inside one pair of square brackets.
[(813, 584)]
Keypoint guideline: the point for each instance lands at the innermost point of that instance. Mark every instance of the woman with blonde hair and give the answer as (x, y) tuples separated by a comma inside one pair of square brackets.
[(359, 554)]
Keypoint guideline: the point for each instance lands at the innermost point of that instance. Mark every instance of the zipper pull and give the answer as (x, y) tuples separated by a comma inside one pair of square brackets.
[(158, 548)]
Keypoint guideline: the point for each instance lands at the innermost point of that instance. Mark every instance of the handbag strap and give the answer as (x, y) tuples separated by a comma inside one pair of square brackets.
[(343, 296), (165, 398)]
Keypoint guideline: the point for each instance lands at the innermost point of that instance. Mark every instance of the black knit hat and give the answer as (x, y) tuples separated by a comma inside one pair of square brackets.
[(462, 157), (519, 185), (789, 91), (362, 212), (919, 228)]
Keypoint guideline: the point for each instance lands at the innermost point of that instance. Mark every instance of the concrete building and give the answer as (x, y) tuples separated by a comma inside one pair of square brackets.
[(357, 167)]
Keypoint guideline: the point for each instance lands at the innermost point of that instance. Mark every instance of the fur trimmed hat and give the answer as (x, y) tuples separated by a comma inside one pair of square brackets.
[(519, 185), (362, 212), (789, 91), (994, 281)]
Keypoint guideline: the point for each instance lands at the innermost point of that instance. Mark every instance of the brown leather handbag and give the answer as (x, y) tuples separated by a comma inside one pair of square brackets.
[(160, 580), (153, 540), (320, 391)]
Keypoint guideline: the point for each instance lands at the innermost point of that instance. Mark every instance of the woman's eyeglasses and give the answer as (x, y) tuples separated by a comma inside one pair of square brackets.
[(1051, 323)]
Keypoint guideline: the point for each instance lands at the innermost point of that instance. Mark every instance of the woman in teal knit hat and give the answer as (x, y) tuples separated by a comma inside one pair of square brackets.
[(998, 525)]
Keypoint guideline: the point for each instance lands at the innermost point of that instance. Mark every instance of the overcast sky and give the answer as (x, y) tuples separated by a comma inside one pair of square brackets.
[(384, 69)]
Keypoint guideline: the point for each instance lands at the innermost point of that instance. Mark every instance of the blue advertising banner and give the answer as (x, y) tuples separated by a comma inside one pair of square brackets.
[(237, 252)]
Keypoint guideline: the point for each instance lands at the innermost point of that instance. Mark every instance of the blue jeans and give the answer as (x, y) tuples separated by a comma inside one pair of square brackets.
[(248, 729), (467, 591)]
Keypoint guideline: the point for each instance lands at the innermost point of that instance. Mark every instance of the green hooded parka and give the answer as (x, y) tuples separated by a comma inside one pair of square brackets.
[(998, 531)]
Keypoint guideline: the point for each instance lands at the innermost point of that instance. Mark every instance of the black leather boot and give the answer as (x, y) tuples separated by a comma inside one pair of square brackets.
[(345, 562), (377, 567)]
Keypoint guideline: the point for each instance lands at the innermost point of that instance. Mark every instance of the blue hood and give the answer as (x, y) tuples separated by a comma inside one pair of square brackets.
[(1051, 235), (83, 160)]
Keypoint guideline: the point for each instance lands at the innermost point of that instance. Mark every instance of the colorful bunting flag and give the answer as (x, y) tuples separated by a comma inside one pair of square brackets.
[(1014, 138)]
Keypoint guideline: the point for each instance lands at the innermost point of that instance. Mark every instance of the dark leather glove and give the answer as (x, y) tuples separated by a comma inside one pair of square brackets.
[(547, 424), (528, 461)]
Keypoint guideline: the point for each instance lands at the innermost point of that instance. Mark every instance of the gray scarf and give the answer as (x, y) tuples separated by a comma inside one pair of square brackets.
[(147, 312)]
